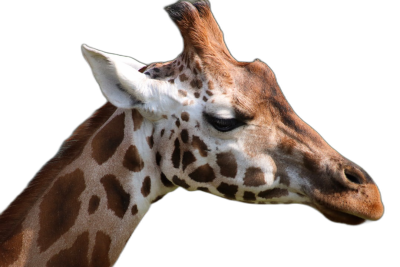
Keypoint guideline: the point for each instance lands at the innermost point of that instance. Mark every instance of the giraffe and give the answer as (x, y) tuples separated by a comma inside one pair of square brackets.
[(190, 123)]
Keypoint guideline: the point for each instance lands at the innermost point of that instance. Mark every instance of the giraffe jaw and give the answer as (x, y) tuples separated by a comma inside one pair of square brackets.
[(339, 216)]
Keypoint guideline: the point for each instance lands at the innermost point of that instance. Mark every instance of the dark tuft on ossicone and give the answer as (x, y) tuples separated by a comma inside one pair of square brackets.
[(202, 6), (178, 10)]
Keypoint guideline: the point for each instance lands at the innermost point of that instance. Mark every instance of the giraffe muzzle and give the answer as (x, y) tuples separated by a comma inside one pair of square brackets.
[(356, 199)]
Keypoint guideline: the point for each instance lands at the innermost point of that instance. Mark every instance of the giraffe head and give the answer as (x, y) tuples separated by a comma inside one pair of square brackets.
[(224, 126)]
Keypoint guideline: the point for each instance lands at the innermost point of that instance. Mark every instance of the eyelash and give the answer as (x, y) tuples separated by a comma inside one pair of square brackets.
[(223, 125)]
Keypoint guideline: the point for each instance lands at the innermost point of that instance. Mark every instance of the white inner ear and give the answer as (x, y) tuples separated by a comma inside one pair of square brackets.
[(125, 87)]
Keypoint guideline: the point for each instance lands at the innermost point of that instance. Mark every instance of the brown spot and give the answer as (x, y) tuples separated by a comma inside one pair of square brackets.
[(205, 99), (157, 199), (162, 132), (185, 116), (227, 164), (11, 248), (108, 139), (77, 255), (171, 81), (180, 68), (94, 203), (170, 74), (198, 66), (143, 69), (165, 181), (196, 83), (150, 141), (194, 71), (183, 77), (117, 198), (209, 93), (101, 250), (273, 193), (134, 210), (177, 123), (180, 182), (185, 136), (146, 186), (197, 94), (287, 144), (254, 177), (210, 85), (187, 159), (176, 155), (62, 202), (182, 93), (198, 144), (249, 196), (203, 174), (137, 119), (311, 162), (284, 179), (228, 190), (132, 160), (204, 189), (158, 158), (172, 133)]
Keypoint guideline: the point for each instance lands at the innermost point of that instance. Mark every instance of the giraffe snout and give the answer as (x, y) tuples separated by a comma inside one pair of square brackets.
[(353, 198)]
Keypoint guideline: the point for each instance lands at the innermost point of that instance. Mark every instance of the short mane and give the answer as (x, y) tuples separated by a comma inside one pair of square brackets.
[(14, 214)]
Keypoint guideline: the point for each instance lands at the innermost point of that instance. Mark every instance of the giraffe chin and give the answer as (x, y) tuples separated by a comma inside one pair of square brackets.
[(341, 217)]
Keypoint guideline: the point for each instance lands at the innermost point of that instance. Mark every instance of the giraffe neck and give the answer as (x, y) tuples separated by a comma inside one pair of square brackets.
[(82, 209)]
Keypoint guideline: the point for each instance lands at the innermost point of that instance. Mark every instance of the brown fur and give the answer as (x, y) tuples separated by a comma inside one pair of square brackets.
[(254, 177), (176, 155), (77, 255), (180, 182), (185, 136), (202, 36), (185, 116), (137, 119), (228, 190), (158, 158), (94, 203), (249, 196), (132, 160), (12, 217), (62, 202), (227, 164), (101, 250), (117, 198), (146, 186), (11, 248), (203, 174), (165, 181), (187, 159), (198, 144), (273, 193), (134, 210), (108, 139)]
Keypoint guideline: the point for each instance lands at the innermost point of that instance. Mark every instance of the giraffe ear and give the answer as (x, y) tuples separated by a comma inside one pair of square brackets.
[(125, 87)]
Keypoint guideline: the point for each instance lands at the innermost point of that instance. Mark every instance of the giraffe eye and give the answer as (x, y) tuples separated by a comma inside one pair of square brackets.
[(223, 125)]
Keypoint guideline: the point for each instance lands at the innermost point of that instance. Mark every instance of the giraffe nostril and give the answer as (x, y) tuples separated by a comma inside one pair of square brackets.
[(352, 178)]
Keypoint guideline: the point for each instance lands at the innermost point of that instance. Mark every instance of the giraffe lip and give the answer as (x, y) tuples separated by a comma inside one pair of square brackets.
[(340, 216)]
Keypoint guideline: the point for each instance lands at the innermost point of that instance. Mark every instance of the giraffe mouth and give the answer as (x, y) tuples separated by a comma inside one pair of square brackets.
[(339, 216)]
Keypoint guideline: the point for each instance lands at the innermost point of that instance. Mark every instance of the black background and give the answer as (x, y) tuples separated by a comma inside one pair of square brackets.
[(330, 62)]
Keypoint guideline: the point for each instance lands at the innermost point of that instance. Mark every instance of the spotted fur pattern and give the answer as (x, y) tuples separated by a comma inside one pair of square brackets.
[(83, 206)]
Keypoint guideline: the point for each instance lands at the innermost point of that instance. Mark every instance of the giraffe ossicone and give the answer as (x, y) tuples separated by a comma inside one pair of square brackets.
[(202, 121)]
